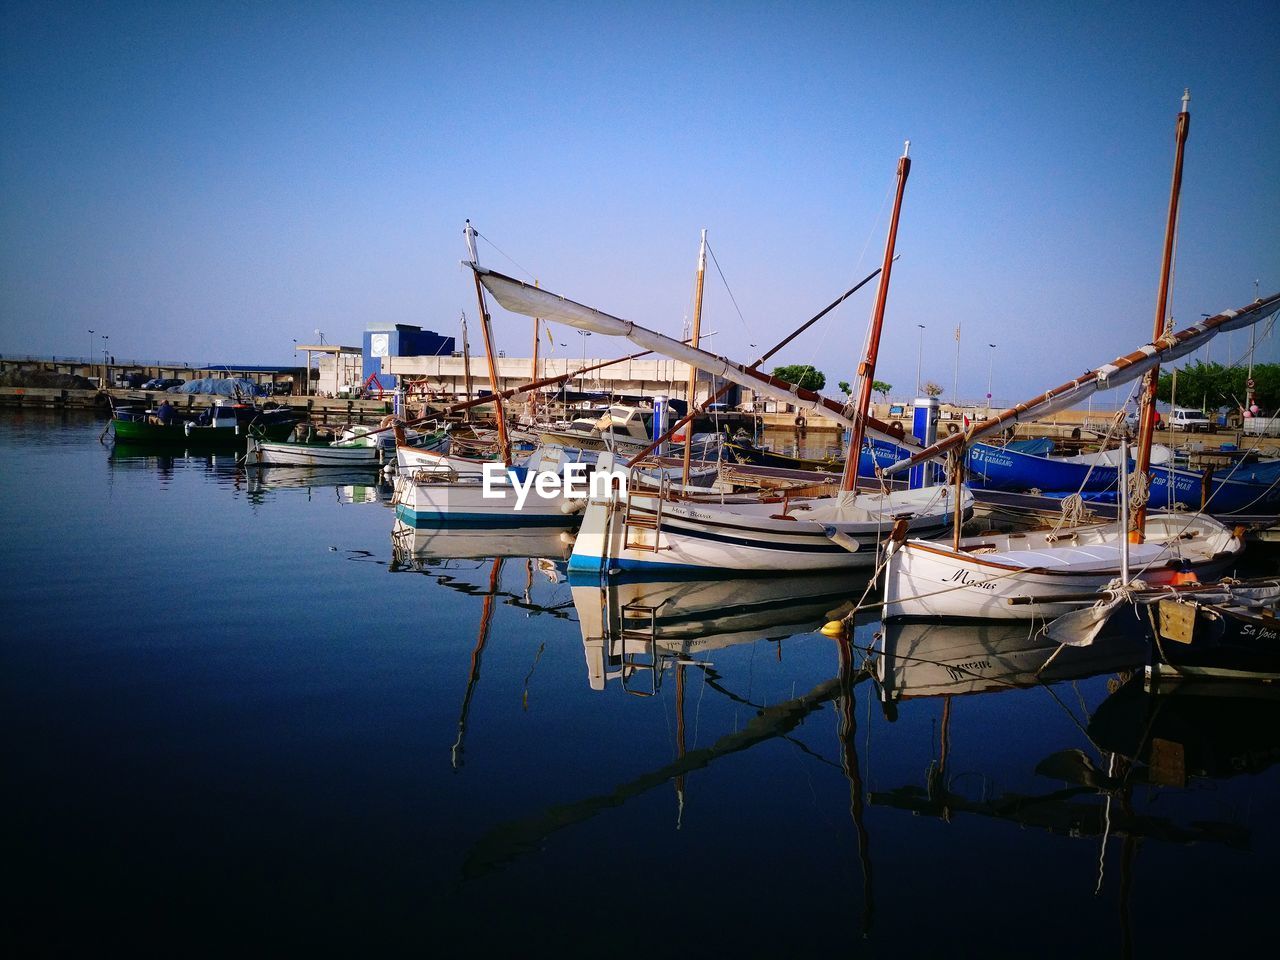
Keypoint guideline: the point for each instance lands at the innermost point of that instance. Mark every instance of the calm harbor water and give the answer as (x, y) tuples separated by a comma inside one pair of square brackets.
[(246, 714)]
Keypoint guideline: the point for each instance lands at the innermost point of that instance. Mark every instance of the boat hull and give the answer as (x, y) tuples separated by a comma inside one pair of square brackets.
[(711, 536), (423, 502), (933, 580), (1004, 468), (1225, 643), (279, 454), (177, 435), (411, 459)]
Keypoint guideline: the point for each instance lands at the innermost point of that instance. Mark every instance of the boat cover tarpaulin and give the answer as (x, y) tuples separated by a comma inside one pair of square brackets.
[(223, 387)]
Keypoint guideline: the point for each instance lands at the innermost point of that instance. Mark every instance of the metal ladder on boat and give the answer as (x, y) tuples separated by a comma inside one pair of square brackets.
[(634, 519)]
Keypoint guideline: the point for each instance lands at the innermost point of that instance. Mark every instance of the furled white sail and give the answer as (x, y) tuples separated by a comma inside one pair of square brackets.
[(531, 301), (1118, 372)]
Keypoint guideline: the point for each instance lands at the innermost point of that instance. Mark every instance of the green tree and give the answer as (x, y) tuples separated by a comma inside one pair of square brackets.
[(844, 386), (882, 388), (1211, 385), (802, 375)]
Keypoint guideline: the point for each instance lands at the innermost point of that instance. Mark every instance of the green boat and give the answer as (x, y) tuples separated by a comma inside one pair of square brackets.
[(226, 427)]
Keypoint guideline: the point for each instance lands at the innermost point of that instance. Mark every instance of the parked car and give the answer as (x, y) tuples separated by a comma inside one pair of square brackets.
[(1131, 422), (1189, 420), (130, 381)]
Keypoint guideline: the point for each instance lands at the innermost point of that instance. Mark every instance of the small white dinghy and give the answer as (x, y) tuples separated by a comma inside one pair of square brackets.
[(360, 449)]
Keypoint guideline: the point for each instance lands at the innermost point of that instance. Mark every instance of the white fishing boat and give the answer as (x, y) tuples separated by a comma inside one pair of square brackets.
[(1053, 572), (413, 459), (437, 493), (1043, 574), (632, 528), (360, 449)]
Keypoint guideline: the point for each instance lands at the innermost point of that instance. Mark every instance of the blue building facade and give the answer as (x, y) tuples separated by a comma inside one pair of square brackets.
[(400, 340)]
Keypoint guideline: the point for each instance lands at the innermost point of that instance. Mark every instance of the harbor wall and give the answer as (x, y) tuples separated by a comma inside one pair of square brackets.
[(318, 409)]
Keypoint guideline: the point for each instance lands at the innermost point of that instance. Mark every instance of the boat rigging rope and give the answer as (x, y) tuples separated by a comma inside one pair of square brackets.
[(729, 290), (866, 340), (1139, 490), (1072, 510), (503, 253)]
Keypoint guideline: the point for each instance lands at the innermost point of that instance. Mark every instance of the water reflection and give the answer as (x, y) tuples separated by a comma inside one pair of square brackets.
[(421, 548), (378, 738), (347, 485), (222, 467), (344, 485), (633, 628), (1161, 741), (936, 659), (1184, 732), (638, 634)]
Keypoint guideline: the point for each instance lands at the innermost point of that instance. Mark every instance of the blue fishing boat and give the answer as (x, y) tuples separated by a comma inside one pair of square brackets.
[(1014, 469), (1253, 488)]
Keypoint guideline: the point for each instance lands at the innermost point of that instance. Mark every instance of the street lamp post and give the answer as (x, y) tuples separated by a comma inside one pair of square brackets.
[(991, 362), (919, 357)]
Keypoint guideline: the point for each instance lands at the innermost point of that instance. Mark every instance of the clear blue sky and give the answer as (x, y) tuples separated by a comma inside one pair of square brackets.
[(212, 181)]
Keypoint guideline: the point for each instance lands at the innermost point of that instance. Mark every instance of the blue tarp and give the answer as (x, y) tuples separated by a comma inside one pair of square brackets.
[(1036, 446), (223, 387)]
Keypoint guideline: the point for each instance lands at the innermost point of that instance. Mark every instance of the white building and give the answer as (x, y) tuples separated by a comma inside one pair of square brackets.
[(446, 376)]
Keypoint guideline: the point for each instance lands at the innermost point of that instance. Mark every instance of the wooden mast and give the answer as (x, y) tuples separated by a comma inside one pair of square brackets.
[(867, 368), (693, 341), (533, 372), (504, 444), (1147, 411), (466, 362)]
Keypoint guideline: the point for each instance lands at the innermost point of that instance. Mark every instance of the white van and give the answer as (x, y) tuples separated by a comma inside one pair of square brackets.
[(1189, 420)]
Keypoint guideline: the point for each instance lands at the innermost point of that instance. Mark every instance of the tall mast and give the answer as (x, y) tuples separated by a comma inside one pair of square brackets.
[(504, 444), (1147, 410), (533, 373), (867, 368), (693, 340), (466, 362)]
